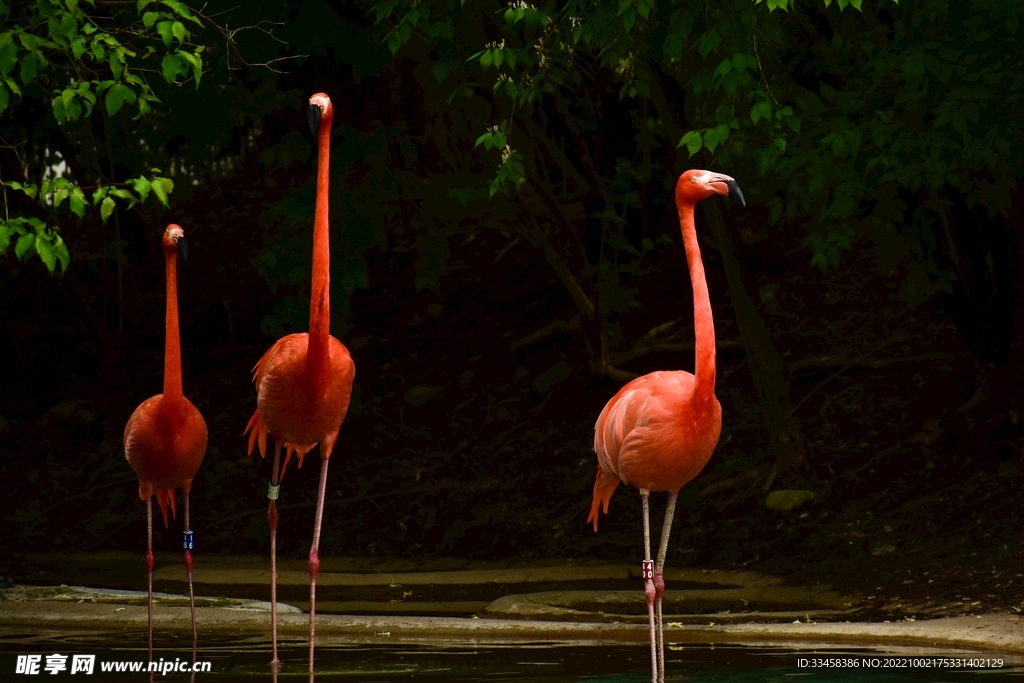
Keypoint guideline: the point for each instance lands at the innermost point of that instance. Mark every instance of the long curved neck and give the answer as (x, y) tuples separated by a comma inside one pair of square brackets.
[(172, 341), (318, 351), (703, 322)]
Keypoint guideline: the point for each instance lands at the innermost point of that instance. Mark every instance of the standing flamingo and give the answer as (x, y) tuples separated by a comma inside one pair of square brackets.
[(165, 438), (659, 430), (304, 382)]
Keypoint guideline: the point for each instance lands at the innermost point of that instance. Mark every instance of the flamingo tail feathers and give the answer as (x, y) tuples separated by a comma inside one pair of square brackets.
[(291, 449), (162, 499), (604, 487), (257, 431)]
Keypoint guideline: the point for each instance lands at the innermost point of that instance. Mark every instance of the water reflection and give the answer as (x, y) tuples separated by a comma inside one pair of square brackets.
[(246, 659)]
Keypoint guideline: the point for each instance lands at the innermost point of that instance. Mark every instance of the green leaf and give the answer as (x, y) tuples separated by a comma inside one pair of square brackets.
[(24, 246), (45, 251), (116, 97), (179, 31), (6, 230), (709, 42), (142, 186), (77, 202), (692, 141), (486, 59), (161, 188), (165, 28), (28, 68), (172, 66), (107, 208), (8, 55), (195, 61), (4, 98), (78, 47), (629, 21), (116, 64), (394, 42), (711, 139), (149, 18), (61, 251), (182, 11)]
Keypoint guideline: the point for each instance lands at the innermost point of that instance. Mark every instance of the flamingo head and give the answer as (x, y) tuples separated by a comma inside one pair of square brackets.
[(695, 185), (174, 238), (320, 109)]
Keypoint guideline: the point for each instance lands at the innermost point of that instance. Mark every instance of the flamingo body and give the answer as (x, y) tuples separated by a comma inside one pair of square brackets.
[(289, 406), (165, 443), (653, 435)]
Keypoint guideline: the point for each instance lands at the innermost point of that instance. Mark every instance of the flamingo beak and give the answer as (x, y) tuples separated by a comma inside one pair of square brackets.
[(314, 114), (182, 248), (733, 187)]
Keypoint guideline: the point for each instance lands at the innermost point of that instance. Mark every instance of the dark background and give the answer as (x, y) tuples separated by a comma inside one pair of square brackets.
[(479, 373)]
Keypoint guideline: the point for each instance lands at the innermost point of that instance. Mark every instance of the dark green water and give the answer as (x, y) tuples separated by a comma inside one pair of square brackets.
[(245, 659)]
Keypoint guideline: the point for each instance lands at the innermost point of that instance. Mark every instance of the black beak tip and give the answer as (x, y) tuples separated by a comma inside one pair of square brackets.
[(183, 248), (314, 118), (735, 192)]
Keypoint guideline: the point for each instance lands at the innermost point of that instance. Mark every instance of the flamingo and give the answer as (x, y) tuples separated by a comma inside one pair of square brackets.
[(304, 382), (659, 430), (165, 438)]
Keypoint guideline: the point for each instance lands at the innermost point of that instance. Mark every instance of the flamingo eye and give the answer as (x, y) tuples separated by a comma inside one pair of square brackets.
[(693, 179)]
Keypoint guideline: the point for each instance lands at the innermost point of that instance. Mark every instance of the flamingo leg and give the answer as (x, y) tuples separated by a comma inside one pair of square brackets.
[(149, 568), (659, 577), (188, 568), (272, 520), (648, 582), (314, 551)]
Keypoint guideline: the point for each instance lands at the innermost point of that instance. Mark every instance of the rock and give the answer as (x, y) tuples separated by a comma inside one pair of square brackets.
[(788, 500)]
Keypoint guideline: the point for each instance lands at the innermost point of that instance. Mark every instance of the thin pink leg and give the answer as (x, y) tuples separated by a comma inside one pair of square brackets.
[(191, 594), (314, 551), (649, 583), (272, 520), (659, 578), (150, 561)]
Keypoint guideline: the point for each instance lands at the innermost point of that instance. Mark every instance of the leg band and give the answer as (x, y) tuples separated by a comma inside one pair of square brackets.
[(647, 571)]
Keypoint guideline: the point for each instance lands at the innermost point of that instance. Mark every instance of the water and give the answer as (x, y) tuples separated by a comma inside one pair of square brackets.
[(245, 659)]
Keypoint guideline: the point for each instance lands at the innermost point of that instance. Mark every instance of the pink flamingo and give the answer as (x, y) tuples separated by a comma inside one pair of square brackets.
[(659, 430), (165, 438), (304, 382)]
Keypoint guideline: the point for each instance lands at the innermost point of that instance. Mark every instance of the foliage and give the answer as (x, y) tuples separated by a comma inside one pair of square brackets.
[(852, 116), (58, 52)]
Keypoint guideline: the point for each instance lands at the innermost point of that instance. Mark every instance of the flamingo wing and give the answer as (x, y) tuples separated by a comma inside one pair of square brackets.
[(629, 428)]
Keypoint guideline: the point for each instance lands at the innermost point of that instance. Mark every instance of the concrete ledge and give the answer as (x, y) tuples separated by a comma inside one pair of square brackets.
[(998, 633)]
